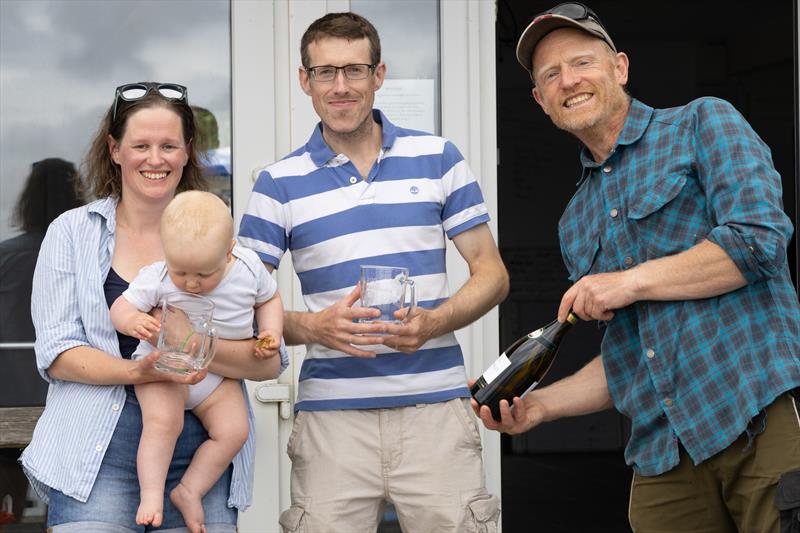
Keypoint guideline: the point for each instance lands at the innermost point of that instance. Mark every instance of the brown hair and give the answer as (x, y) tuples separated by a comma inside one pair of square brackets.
[(348, 26), (102, 177)]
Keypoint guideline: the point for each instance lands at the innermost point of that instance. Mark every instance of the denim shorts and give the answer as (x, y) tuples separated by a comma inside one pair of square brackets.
[(112, 504)]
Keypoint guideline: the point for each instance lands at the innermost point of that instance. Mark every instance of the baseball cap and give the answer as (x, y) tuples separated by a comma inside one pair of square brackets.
[(567, 15)]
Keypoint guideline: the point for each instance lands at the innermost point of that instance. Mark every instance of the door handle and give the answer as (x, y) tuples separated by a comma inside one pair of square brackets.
[(276, 393)]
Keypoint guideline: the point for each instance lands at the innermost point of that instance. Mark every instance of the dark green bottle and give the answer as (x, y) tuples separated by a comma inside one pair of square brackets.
[(521, 367)]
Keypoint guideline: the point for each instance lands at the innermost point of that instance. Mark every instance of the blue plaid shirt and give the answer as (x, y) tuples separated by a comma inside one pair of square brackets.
[(693, 371)]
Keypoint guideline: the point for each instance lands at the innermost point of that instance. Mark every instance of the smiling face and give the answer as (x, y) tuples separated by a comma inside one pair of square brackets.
[(579, 81), (344, 106), (151, 154)]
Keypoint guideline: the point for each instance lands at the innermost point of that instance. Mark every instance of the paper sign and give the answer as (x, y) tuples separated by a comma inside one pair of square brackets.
[(408, 103)]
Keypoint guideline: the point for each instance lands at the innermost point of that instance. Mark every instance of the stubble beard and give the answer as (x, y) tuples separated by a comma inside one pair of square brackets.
[(612, 103), (362, 131)]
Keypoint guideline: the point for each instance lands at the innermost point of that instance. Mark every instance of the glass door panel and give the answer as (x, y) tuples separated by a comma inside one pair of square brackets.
[(59, 64)]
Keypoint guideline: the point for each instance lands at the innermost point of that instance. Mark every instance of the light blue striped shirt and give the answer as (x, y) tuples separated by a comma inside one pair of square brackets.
[(314, 203), (69, 309)]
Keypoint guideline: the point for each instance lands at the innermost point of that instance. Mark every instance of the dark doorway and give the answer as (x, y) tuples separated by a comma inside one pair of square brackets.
[(570, 475)]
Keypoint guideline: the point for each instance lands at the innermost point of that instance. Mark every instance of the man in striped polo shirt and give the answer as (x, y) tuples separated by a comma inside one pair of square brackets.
[(382, 410)]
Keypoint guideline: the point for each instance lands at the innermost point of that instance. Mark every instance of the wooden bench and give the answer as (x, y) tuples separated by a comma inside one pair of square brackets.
[(16, 425)]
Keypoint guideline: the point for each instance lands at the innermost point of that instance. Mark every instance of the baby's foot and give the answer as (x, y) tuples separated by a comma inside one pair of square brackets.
[(151, 509), (191, 507)]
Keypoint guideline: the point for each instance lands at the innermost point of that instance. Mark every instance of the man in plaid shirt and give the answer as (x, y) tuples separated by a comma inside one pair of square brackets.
[(676, 242)]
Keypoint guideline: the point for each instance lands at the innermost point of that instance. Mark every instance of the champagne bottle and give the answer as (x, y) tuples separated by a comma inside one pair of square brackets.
[(521, 367)]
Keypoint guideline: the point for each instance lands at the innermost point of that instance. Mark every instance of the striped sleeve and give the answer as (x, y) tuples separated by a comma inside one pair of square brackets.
[(54, 308), (463, 207), (263, 226)]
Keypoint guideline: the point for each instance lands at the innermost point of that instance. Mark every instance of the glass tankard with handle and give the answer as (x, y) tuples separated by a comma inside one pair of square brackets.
[(187, 340), (388, 289)]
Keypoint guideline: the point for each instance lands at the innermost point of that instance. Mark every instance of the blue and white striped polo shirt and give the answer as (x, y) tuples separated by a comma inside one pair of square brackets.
[(315, 204)]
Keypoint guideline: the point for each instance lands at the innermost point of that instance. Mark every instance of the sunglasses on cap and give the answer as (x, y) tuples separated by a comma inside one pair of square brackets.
[(130, 92), (567, 15), (573, 10)]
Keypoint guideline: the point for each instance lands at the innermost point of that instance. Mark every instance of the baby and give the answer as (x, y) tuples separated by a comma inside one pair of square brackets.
[(201, 258)]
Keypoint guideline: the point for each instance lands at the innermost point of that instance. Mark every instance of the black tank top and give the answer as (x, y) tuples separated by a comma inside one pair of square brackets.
[(113, 288)]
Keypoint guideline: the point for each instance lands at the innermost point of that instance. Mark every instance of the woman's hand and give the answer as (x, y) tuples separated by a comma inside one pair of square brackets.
[(146, 372)]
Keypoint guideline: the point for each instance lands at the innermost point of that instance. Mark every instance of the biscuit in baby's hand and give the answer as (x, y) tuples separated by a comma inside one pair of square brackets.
[(265, 343)]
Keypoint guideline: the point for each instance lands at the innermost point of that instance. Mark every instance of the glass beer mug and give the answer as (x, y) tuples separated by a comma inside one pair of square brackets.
[(387, 289), (187, 341)]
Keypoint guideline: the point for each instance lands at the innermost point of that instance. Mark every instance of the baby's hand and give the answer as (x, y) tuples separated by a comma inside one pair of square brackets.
[(144, 327), (267, 344)]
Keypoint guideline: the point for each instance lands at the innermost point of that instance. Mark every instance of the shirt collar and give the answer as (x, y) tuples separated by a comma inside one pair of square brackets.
[(321, 153), (636, 122), (106, 208)]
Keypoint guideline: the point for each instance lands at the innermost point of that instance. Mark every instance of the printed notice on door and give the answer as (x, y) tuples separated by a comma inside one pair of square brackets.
[(408, 103)]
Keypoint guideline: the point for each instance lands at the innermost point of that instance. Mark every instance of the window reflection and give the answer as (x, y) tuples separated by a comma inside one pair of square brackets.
[(58, 71), (409, 34), (59, 64)]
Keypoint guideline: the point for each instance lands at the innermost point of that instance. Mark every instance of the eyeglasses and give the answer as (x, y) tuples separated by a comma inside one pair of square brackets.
[(130, 92), (356, 71), (573, 10)]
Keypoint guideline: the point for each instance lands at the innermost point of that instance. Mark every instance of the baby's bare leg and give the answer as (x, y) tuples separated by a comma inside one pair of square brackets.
[(162, 422), (224, 415)]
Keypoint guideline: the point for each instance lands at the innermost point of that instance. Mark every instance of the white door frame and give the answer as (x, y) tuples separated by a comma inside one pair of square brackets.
[(271, 116)]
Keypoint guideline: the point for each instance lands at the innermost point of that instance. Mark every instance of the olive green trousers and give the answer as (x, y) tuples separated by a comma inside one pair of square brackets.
[(733, 491)]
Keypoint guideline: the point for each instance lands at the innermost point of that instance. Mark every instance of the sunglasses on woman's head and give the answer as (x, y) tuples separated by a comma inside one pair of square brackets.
[(130, 92)]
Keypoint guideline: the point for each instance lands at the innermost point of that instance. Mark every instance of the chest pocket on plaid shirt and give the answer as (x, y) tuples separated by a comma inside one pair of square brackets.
[(652, 195), (668, 214)]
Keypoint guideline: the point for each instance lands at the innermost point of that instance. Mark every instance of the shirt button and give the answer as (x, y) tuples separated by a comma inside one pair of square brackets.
[(98, 448), (650, 353), (353, 179), (614, 212), (628, 261), (115, 407), (668, 402), (607, 169)]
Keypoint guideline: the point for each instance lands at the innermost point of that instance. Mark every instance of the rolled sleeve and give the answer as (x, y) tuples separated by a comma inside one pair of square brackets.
[(744, 190), (749, 257)]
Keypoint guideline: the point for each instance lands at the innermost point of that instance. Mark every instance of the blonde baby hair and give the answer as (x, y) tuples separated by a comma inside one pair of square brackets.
[(196, 216)]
